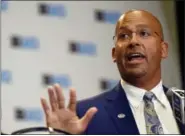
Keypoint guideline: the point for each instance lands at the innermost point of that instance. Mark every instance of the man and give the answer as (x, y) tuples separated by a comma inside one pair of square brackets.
[(138, 104)]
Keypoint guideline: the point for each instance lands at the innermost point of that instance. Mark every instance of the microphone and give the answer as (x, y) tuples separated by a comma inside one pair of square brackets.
[(178, 105), (177, 99)]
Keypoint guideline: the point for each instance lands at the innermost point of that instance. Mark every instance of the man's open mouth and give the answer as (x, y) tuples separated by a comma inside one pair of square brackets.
[(135, 57)]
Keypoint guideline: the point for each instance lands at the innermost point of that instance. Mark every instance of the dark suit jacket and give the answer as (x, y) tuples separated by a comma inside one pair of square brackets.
[(109, 105)]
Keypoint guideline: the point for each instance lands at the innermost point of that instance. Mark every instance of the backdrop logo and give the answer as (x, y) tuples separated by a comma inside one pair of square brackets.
[(62, 79), (28, 42), (106, 84), (4, 5), (28, 114), (84, 48), (6, 76), (107, 16), (52, 9)]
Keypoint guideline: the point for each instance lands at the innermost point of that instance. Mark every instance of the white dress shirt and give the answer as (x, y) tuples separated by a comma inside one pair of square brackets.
[(161, 104)]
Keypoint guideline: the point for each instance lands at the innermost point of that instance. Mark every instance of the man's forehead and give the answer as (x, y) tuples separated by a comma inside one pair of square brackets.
[(139, 25), (142, 14), (138, 18)]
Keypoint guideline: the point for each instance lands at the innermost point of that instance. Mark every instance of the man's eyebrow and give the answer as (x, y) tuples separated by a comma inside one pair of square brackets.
[(143, 26), (124, 27)]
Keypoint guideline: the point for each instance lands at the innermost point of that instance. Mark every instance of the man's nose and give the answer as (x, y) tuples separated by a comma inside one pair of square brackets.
[(133, 41)]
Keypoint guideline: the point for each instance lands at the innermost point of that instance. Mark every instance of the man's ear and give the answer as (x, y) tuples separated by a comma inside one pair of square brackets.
[(164, 51), (114, 54)]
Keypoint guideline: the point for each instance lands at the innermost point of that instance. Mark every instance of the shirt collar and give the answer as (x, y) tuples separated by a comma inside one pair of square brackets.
[(135, 94), (159, 93)]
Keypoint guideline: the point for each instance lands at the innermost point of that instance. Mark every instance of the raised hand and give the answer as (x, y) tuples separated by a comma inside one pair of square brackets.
[(65, 118)]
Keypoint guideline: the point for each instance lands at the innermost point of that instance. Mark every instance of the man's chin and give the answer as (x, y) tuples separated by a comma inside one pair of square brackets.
[(136, 73)]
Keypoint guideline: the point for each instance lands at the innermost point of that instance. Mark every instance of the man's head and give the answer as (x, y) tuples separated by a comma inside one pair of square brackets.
[(139, 46)]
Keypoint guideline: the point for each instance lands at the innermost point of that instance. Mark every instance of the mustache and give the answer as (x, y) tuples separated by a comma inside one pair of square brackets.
[(135, 49)]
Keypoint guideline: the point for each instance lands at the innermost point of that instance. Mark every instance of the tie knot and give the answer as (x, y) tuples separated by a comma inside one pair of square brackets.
[(148, 96)]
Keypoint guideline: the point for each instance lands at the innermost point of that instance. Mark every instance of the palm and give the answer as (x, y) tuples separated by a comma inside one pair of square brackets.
[(63, 118)]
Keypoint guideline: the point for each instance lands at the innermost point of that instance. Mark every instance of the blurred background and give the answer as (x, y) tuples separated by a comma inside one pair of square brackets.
[(70, 42)]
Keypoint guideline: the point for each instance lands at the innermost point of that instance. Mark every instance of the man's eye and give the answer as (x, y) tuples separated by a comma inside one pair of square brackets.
[(144, 34), (123, 36)]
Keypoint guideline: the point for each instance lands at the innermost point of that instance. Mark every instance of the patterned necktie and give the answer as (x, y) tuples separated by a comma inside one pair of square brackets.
[(153, 125)]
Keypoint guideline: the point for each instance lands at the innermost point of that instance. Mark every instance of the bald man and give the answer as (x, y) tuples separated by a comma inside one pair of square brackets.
[(138, 103)]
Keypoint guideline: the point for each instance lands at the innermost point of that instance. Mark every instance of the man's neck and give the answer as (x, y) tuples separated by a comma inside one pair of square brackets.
[(146, 82)]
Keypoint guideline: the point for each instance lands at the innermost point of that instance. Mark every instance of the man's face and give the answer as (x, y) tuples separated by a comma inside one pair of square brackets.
[(139, 47)]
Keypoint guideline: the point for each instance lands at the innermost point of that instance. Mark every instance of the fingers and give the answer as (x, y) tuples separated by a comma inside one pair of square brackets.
[(60, 96), (45, 107), (52, 98), (72, 100), (57, 99), (88, 116)]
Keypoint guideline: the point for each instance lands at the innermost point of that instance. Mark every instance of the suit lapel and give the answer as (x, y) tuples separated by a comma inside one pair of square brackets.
[(120, 112)]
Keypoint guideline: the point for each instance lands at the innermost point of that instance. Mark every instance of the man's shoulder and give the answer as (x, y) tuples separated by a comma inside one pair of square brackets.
[(97, 101), (94, 100), (102, 96)]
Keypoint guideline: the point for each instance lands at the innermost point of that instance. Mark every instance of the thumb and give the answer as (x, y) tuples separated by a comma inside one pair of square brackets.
[(88, 116)]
